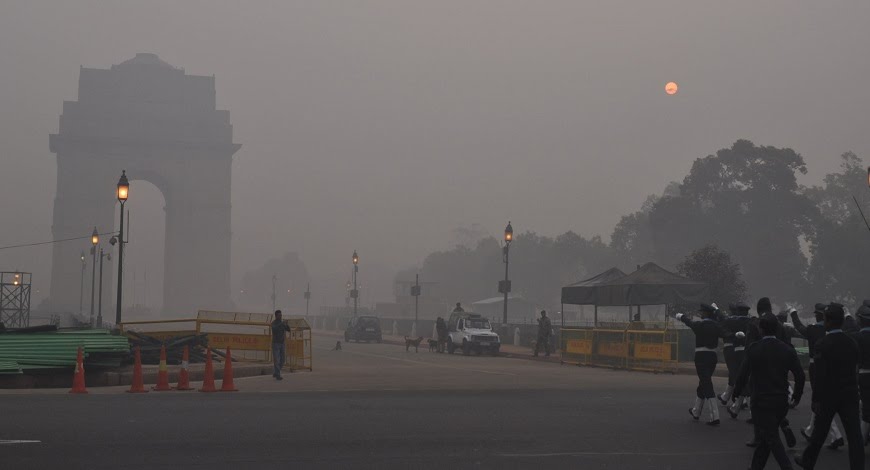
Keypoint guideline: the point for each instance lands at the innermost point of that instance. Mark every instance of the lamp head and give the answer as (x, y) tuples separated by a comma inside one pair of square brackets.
[(95, 237), (123, 187), (355, 258), (508, 234)]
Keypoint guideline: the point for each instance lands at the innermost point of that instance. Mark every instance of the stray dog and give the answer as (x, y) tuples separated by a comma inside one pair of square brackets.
[(337, 346), (433, 345), (413, 342)]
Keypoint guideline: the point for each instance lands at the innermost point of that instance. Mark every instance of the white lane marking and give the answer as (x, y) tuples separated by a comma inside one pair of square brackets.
[(17, 441), (428, 363), (643, 454)]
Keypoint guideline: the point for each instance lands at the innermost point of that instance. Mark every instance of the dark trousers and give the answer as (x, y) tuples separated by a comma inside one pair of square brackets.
[(728, 352), (864, 384), (766, 419), (847, 408), (543, 341), (705, 365)]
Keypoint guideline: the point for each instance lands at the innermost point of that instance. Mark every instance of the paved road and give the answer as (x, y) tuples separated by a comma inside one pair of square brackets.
[(376, 406)]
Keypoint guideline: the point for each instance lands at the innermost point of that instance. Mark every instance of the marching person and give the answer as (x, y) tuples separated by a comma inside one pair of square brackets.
[(813, 333), (735, 326), (863, 340), (767, 365), (835, 391), (545, 328), (707, 334), (279, 352)]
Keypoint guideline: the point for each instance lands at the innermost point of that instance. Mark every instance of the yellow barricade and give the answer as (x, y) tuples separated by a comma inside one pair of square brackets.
[(248, 334), (632, 347)]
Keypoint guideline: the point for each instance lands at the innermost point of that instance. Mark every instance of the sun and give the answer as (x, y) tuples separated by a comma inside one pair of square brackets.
[(671, 88)]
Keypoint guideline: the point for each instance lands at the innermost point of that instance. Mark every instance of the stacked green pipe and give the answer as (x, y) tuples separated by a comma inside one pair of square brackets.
[(58, 349)]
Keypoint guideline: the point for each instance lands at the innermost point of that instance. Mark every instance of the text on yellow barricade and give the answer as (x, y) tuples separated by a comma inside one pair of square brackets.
[(240, 342)]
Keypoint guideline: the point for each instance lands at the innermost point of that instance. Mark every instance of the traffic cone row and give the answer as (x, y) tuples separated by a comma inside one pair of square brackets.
[(138, 385)]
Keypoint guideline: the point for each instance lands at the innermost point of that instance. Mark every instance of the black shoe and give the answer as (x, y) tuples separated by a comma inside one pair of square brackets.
[(696, 418), (837, 444), (790, 440), (752, 443), (799, 460), (732, 413), (805, 435), (715, 422), (723, 402)]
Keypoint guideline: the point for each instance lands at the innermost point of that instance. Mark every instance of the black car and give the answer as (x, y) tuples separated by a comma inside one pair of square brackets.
[(363, 328)]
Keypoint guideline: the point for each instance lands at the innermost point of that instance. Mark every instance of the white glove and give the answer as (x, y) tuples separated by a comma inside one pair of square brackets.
[(740, 334), (715, 307), (792, 311), (679, 316)]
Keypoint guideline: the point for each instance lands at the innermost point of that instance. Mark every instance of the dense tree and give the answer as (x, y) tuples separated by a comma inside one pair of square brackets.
[(714, 266)]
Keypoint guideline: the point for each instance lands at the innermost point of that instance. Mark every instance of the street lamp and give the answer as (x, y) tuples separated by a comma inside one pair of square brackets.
[(505, 286), (82, 287), (95, 240), (100, 302), (122, 193), (307, 297), (354, 294)]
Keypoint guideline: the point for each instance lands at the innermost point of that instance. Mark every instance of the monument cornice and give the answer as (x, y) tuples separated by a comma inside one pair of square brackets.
[(59, 143)]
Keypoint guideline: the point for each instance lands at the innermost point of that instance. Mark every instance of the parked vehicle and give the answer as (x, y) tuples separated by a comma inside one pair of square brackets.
[(471, 332), (363, 328)]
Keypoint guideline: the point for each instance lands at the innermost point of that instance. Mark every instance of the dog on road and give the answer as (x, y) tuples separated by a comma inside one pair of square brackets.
[(413, 342), (433, 345), (337, 346)]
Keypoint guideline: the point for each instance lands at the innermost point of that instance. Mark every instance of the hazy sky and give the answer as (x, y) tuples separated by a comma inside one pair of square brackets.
[(382, 125)]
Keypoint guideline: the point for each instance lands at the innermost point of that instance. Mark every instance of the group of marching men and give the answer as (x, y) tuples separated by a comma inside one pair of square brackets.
[(759, 356)]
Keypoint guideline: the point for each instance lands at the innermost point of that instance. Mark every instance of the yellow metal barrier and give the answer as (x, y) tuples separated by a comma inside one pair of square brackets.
[(248, 334), (621, 348)]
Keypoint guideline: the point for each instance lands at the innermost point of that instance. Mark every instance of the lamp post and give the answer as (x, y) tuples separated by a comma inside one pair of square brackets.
[(95, 240), (307, 297), (355, 292), (415, 292), (274, 279), (505, 286), (122, 193), (82, 287), (100, 294)]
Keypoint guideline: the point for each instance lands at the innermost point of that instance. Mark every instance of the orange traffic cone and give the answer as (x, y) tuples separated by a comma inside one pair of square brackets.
[(227, 383), (162, 373), (79, 375), (183, 374), (208, 379), (137, 386)]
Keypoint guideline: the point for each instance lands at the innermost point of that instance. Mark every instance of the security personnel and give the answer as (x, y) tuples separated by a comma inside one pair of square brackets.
[(767, 364), (707, 334), (545, 328), (745, 327), (735, 327), (836, 390), (813, 333), (863, 340)]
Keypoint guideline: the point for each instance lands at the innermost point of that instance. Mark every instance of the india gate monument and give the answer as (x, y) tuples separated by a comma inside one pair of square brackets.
[(161, 125)]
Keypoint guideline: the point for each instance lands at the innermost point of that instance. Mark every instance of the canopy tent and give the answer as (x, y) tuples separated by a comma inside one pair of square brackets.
[(649, 285), (586, 292)]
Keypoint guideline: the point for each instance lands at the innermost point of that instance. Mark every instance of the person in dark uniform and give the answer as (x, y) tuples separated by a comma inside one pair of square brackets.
[(740, 325), (545, 328), (441, 330), (835, 391), (279, 352), (458, 308), (813, 333), (707, 334), (863, 340), (767, 364), (735, 326)]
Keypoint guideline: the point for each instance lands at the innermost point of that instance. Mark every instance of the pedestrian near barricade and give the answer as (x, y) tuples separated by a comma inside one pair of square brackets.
[(767, 365), (279, 351), (707, 334), (545, 329), (836, 390)]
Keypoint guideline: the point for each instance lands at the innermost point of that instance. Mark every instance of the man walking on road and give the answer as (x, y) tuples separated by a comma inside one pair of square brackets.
[(835, 391), (279, 352), (545, 328), (767, 364)]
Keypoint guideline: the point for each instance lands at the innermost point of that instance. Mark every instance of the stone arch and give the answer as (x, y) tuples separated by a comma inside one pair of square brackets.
[(160, 125)]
